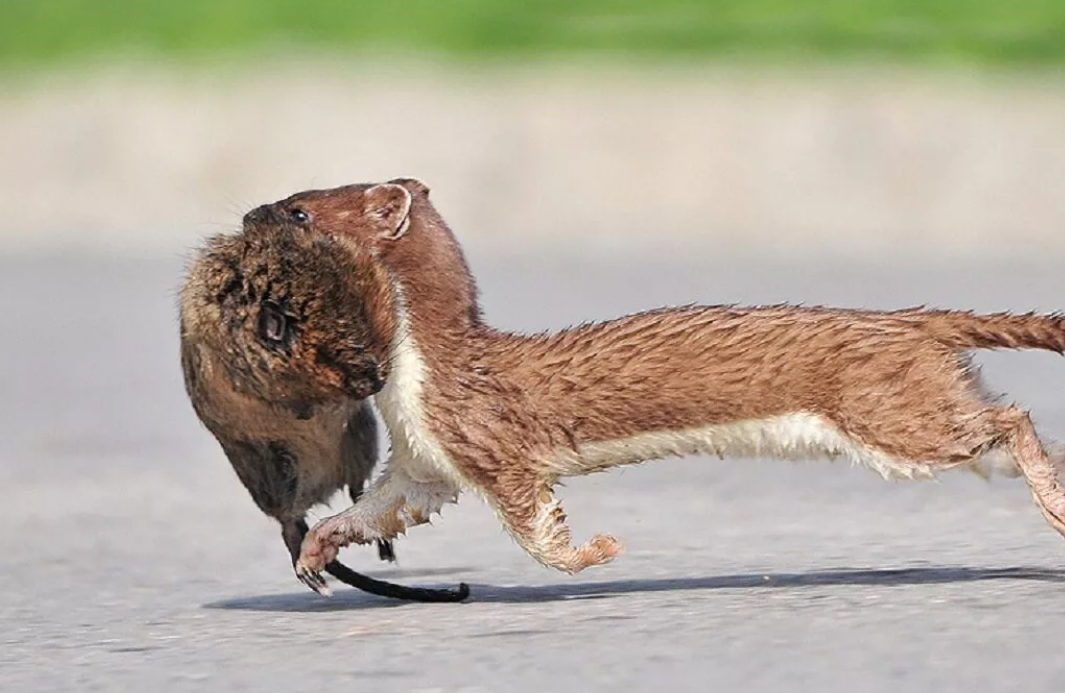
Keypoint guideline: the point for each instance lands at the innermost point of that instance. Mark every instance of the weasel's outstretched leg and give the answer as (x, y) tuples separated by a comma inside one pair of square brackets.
[(392, 504), (1039, 470), (534, 517), (294, 531)]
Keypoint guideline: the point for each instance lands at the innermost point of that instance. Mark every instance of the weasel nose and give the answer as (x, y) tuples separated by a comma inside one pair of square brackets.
[(260, 215)]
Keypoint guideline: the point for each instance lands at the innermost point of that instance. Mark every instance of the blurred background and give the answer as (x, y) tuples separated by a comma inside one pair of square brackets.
[(755, 126), (594, 158)]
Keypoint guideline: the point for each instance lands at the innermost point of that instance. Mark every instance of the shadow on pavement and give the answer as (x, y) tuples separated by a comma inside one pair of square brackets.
[(351, 599)]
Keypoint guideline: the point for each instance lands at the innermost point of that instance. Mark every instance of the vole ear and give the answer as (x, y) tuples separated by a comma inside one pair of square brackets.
[(390, 204)]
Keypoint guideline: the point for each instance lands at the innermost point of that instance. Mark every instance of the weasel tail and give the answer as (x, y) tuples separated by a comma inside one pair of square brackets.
[(965, 330)]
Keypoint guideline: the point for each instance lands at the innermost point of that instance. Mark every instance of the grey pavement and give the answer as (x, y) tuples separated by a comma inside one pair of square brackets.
[(132, 559)]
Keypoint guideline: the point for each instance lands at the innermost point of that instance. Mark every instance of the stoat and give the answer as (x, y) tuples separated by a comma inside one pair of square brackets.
[(505, 415)]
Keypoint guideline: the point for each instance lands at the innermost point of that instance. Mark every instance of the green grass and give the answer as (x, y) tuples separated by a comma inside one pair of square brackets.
[(996, 32)]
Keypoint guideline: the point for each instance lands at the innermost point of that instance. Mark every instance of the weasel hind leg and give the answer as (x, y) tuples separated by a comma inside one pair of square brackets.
[(1039, 470), (534, 517)]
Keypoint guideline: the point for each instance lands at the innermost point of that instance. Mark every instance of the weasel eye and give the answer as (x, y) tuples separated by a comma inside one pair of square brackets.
[(273, 324), (299, 216)]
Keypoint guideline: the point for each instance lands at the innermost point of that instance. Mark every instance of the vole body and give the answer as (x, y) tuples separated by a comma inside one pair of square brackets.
[(290, 454)]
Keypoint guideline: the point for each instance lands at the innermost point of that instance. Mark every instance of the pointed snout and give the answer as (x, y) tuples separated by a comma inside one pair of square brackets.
[(262, 215)]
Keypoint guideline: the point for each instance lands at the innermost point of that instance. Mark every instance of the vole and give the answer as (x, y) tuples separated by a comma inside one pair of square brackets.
[(470, 407), (250, 304)]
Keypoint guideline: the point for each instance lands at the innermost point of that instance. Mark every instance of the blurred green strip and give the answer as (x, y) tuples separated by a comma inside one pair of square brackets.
[(1023, 32)]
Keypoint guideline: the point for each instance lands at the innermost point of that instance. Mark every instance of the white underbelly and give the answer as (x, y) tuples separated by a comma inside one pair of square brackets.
[(798, 436)]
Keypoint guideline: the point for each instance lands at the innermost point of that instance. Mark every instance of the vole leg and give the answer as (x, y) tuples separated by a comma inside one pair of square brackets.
[(392, 504), (293, 531), (1038, 469), (534, 517)]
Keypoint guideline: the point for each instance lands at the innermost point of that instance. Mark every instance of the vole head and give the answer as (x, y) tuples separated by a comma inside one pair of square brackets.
[(288, 317)]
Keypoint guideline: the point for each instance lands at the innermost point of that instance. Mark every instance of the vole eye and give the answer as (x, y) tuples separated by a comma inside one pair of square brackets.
[(273, 324), (299, 216)]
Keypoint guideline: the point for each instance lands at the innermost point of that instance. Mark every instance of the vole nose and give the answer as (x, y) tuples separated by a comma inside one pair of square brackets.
[(263, 214), (376, 382), (372, 376)]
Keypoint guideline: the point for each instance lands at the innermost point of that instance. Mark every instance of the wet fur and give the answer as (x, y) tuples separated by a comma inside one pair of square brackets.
[(505, 415), (291, 446)]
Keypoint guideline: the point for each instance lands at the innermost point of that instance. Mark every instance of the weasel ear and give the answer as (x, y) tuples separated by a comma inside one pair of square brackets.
[(390, 204)]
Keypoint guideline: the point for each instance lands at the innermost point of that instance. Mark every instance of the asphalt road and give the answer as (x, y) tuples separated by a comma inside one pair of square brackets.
[(132, 559)]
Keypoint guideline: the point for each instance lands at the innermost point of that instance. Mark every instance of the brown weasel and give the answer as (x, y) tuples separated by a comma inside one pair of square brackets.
[(506, 415), (242, 309)]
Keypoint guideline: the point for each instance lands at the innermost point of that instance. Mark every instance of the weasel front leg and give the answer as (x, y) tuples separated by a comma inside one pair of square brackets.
[(392, 504), (534, 517)]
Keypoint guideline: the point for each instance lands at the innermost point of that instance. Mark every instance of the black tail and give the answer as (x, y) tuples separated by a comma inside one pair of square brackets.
[(294, 532)]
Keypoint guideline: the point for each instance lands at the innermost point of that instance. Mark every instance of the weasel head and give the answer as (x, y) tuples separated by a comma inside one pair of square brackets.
[(397, 222), (373, 213), (287, 317)]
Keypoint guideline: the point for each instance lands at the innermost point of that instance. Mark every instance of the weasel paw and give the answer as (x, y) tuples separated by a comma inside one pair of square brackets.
[(313, 579), (600, 549), (318, 549)]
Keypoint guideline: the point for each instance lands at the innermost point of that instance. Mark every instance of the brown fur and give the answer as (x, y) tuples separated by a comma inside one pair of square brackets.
[(506, 415), (292, 446)]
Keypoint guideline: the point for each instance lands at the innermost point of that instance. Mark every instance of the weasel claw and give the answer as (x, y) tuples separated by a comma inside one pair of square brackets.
[(313, 579)]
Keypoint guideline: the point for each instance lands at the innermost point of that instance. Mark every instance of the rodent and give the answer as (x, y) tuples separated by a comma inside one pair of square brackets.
[(247, 365), (472, 408)]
